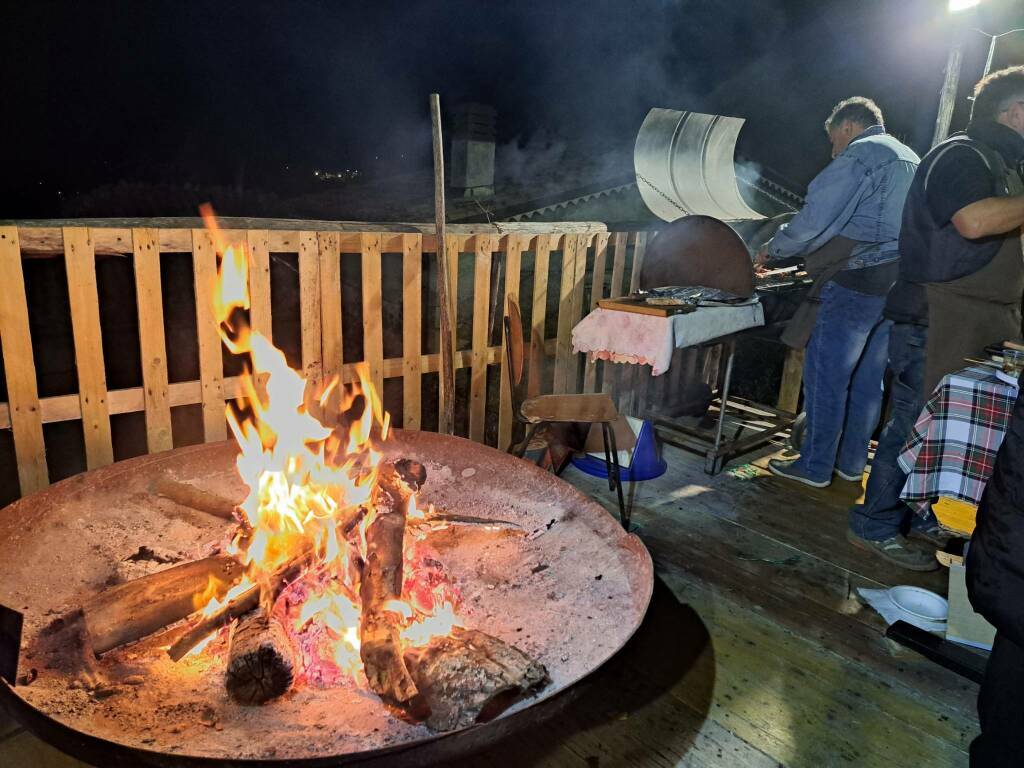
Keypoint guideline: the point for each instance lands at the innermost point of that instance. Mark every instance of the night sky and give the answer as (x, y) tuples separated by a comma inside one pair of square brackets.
[(259, 94)]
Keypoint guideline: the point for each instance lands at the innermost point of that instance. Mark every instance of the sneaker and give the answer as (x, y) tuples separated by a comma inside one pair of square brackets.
[(790, 471), (896, 550), (933, 534), (848, 477)]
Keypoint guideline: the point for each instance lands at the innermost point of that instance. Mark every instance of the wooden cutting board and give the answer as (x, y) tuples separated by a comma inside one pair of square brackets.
[(640, 307)]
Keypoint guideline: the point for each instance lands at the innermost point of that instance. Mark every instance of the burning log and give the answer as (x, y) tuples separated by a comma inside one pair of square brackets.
[(380, 646), (469, 676), (190, 496), (238, 606), (260, 664), (244, 602), (131, 611)]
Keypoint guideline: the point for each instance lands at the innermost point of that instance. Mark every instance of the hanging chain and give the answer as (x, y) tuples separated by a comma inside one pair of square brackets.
[(670, 200)]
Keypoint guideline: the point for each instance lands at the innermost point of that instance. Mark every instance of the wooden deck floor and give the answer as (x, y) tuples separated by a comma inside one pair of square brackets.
[(754, 653)]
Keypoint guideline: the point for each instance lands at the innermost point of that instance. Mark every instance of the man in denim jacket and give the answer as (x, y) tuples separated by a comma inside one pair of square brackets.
[(858, 196)]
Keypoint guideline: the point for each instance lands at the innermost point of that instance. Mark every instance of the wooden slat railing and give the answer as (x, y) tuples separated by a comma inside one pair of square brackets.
[(498, 259)]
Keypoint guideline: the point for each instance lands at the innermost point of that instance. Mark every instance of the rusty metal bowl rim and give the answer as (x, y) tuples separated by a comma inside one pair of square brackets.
[(85, 746)]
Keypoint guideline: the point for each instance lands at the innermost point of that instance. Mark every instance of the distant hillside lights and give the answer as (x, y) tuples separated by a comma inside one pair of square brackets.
[(342, 177)]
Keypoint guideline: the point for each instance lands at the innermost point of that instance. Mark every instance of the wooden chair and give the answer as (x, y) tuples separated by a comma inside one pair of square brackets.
[(533, 414)]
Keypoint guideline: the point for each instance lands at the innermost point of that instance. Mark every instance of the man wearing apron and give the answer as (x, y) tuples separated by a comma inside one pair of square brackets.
[(960, 286)]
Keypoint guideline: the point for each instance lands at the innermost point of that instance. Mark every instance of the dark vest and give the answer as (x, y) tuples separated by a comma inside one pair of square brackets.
[(935, 252)]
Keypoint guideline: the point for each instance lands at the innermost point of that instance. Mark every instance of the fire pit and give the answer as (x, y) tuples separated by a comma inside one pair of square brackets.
[(556, 577), (341, 591)]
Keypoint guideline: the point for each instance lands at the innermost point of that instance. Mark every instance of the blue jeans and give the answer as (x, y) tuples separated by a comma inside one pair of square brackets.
[(843, 371), (882, 515)]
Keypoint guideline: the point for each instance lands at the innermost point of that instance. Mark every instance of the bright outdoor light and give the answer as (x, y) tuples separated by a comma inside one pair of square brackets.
[(955, 6)]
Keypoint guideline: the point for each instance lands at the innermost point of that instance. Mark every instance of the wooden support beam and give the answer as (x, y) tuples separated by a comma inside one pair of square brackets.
[(563, 347), (113, 236), (309, 307), (330, 303), (596, 294), (445, 291), (151, 339), (514, 247), (543, 245), (412, 317), (258, 241), (211, 361), (611, 374), (792, 379), (20, 369), (80, 261), (639, 246), (373, 332), (483, 250)]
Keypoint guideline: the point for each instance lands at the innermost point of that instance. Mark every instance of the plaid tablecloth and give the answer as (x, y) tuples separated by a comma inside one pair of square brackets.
[(953, 445)]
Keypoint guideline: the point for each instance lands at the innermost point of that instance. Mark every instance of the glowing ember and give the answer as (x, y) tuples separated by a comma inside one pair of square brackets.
[(309, 454)]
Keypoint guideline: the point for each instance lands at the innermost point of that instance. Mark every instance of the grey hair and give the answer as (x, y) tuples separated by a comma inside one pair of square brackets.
[(856, 109)]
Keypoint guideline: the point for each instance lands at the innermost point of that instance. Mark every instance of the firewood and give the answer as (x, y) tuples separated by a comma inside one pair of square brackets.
[(240, 605), (260, 665), (380, 646), (257, 595), (471, 677), (139, 608), (190, 496)]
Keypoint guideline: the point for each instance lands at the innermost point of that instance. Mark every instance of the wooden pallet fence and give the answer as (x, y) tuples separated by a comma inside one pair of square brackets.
[(319, 249)]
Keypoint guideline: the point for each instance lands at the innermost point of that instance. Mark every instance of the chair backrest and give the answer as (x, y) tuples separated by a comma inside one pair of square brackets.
[(516, 353)]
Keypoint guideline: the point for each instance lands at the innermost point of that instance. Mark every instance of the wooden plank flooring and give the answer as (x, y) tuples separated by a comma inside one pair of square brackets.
[(755, 651)]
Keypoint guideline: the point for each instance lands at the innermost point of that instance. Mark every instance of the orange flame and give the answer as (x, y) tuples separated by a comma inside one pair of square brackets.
[(308, 482)]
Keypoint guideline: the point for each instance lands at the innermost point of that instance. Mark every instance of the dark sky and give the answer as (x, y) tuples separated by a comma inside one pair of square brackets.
[(260, 93)]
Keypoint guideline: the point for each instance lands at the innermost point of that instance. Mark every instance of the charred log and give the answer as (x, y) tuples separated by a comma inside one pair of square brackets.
[(471, 677), (196, 498), (131, 611), (380, 647), (260, 664)]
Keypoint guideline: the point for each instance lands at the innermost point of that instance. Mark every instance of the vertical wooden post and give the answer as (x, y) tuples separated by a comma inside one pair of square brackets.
[(446, 414), (611, 374), (211, 362), (792, 378), (373, 333), (152, 344), (309, 307), (412, 281), (20, 368), (481, 308), (639, 246), (514, 247), (596, 294), (80, 260), (258, 241), (542, 257), (563, 341), (330, 303)]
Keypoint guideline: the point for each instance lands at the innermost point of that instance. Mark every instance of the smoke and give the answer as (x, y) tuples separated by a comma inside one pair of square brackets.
[(519, 161)]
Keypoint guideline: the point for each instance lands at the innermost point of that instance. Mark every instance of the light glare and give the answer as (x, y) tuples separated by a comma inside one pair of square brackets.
[(955, 6)]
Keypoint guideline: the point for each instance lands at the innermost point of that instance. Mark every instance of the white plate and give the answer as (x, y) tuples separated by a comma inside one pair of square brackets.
[(920, 602)]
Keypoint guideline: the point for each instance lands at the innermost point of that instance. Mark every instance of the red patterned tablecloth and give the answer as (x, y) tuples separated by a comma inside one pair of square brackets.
[(953, 446)]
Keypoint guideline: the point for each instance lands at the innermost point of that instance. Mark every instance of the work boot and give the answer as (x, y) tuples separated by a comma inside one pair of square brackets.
[(896, 550), (929, 532), (791, 471)]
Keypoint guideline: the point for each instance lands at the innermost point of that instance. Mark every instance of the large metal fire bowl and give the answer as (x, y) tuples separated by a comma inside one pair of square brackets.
[(567, 585)]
